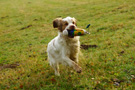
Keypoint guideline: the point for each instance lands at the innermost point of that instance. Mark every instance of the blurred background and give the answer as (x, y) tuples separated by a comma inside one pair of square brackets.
[(26, 28)]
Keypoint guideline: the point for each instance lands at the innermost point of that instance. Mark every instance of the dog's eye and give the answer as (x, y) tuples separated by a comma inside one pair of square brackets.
[(74, 23), (66, 23)]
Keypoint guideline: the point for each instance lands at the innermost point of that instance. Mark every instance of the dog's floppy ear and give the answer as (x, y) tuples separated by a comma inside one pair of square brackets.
[(56, 22)]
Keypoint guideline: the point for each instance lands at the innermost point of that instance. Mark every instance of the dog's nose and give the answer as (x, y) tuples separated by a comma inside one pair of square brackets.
[(72, 27)]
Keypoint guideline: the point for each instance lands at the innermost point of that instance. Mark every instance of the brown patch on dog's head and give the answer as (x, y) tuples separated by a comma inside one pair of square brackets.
[(57, 22), (74, 21), (60, 24), (64, 24)]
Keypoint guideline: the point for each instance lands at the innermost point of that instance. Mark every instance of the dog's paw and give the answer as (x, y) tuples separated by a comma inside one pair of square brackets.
[(79, 70), (57, 73)]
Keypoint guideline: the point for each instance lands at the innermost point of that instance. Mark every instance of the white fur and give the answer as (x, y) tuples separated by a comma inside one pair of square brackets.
[(62, 49)]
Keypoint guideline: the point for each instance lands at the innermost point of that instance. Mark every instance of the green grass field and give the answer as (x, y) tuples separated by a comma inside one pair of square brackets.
[(26, 28)]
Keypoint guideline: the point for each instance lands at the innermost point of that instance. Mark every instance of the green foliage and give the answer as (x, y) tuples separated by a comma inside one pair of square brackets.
[(26, 28)]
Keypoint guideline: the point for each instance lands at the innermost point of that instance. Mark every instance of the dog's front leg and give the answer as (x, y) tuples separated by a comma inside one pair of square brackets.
[(71, 63), (74, 57), (55, 66)]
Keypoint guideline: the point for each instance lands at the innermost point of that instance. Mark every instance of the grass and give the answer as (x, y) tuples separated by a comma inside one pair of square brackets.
[(26, 28)]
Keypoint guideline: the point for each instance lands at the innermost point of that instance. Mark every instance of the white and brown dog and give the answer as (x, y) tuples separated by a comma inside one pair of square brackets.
[(64, 49)]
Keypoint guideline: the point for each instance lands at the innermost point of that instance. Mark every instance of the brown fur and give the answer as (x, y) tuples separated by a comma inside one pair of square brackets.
[(58, 23), (61, 25), (74, 21)]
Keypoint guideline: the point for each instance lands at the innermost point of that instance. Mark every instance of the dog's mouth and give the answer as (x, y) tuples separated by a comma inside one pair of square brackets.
[(70, 35)]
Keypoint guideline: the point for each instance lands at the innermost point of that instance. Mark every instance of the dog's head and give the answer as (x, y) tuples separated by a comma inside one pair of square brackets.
[(67, 23)]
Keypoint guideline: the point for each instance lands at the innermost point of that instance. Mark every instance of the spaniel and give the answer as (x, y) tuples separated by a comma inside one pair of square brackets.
[(64, 49)]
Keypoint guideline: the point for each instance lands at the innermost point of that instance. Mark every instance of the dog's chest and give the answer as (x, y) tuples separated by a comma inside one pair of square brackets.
[(71, 47)]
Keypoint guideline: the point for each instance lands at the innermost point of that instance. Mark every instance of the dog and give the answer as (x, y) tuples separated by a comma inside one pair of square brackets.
[(64, 49)]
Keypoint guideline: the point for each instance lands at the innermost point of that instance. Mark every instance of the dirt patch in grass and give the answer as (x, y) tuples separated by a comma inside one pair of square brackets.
[(4, 17), (26, 27), (3, 66), (86, 47)]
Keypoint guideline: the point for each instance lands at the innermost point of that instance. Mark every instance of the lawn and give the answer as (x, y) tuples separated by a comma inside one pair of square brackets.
[(26, 28)]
